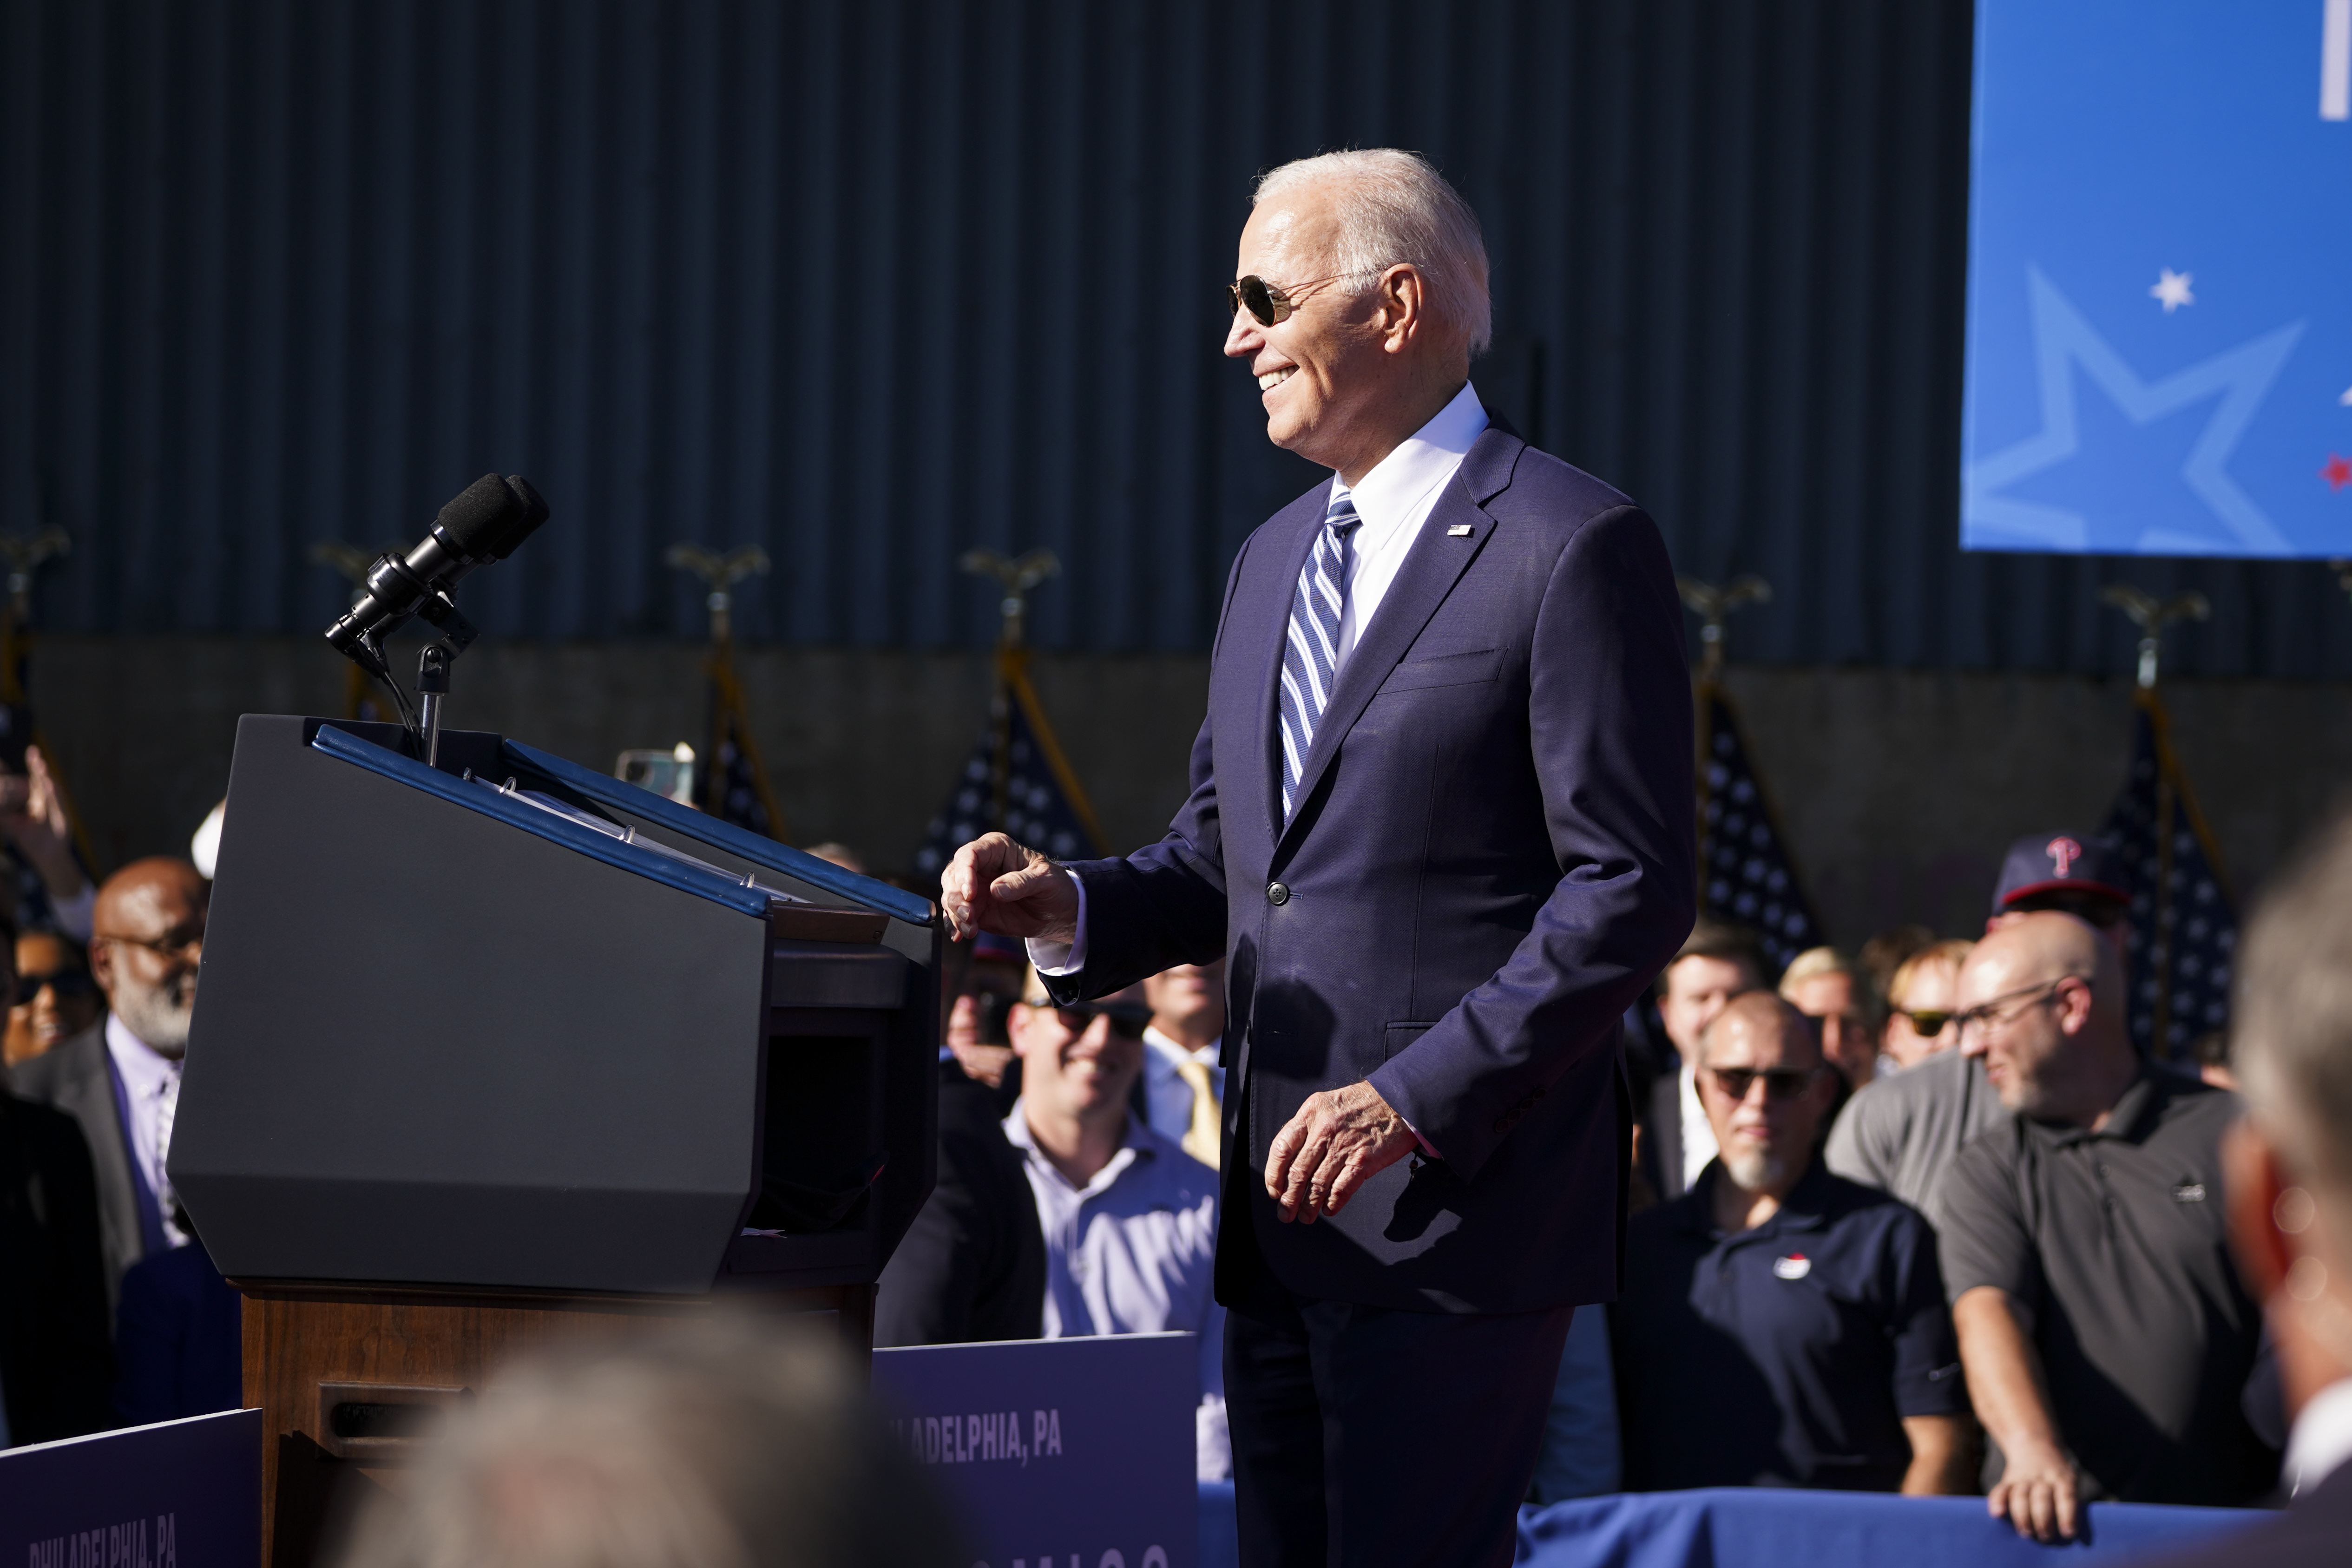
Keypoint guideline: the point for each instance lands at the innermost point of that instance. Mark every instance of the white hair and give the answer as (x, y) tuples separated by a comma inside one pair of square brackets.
[(1394, 207)]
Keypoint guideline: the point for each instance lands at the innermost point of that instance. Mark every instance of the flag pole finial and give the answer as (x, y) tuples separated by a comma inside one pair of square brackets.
[(722, 572), (1714, 606), (2152, 615), (25, 555), (1017, 575)]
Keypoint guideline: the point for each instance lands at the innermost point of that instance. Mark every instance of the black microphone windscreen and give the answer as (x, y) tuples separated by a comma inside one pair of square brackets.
[(483, 514), (521, 524)]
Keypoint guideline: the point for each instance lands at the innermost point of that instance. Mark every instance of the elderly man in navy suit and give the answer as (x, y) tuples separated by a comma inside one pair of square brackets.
[(1441, 829)]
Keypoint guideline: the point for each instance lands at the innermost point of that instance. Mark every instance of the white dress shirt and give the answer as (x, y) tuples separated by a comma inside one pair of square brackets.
[(2322, 1439), (1394, 501), (151, 1081), (1698, 1133), (1134, 1251), (1167, 1094)]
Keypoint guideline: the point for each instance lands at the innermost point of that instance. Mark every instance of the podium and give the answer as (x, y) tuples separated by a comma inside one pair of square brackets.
[(500, 1051)]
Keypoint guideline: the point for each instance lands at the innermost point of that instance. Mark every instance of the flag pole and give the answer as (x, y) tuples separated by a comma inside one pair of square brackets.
[(1017, 576), (720, 574), (2152, 616), (1714, 606)]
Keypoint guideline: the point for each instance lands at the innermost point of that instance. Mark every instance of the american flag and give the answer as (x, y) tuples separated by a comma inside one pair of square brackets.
[(2184, 927), (1041, 805), (1746, 875), (732, 785)]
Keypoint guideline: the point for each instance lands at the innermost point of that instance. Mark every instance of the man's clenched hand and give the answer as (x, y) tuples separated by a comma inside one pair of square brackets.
[(1338, 1140), (994, 884)]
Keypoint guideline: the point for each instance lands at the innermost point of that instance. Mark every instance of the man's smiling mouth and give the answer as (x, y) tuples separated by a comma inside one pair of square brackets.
[(1272, 379)]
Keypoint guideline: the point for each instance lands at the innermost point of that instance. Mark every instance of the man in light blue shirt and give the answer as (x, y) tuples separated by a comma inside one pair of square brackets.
[(1183, 1070), (1131, 1220)]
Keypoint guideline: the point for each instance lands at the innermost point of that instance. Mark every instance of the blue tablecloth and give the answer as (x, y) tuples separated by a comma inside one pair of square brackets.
[(1755, 1528)]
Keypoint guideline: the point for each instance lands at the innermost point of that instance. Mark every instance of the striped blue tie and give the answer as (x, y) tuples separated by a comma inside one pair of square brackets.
[(1311, 659)]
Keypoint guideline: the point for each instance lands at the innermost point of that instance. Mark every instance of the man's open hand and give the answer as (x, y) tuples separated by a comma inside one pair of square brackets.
[(994, 884), (1339, 1141), (2036, 1492)]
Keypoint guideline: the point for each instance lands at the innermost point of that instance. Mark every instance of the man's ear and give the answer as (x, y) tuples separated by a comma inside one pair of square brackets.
[(1404, 297), (101, 964), (2253, 1180), (1018, 1018), (2074, 1014)]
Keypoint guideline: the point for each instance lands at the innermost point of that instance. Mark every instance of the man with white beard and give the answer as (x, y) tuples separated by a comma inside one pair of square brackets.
[(120, 1078), (1781, 1325)]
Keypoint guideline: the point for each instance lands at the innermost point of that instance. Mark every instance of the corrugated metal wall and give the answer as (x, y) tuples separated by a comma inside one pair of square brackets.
[(872, 282)]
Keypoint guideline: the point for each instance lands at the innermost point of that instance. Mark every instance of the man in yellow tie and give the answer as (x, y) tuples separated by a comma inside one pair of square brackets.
[(1183, 1083)]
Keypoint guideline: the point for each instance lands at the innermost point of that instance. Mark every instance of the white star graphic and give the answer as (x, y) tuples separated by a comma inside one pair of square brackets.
[(2237, 378), (2346, 397), (2172, 288)]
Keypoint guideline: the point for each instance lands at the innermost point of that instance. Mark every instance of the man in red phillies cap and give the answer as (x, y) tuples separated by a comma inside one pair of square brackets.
[(2073, 874)]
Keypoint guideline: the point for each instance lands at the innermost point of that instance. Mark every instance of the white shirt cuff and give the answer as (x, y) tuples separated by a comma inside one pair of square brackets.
[(1059, 958)]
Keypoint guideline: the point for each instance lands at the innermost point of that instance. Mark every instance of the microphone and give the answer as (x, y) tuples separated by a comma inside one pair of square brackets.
[(485, 523)]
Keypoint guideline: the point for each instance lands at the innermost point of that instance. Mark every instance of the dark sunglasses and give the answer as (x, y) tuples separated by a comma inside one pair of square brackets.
[(1269, 303), (70, 985), (1779, 1083), (1127, 1018), (1928, 1022)]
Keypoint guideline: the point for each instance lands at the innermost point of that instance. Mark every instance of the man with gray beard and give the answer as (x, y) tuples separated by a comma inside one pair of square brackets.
[(1780, 1325), (120, 1078)]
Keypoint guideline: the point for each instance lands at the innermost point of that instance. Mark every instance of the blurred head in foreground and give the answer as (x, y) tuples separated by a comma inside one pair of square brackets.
[(735, 1444), (2289, 1163)]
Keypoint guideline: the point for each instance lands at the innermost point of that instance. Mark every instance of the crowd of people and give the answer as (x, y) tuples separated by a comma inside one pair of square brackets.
[(113, 1313), (1917, 1218)]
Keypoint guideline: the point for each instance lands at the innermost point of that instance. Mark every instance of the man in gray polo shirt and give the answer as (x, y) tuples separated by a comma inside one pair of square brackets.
[(2086, 1248)]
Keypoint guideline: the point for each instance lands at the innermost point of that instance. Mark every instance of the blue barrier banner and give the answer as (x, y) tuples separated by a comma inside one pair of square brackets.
[(179, 1494), (1771, 1528), (1064, 1453), (2159, 343)]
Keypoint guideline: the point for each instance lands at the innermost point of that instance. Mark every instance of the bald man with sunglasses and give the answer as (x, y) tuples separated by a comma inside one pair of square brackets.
[(1781, 1326), (1439, 828)]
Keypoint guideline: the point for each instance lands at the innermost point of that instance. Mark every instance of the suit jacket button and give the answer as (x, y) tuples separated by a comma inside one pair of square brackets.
[(1277, 894)]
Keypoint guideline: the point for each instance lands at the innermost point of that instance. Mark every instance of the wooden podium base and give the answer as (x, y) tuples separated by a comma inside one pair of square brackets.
[(349, 1381)]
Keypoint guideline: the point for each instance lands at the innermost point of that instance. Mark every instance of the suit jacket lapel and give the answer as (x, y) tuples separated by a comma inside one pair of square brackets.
[(1431, 567)]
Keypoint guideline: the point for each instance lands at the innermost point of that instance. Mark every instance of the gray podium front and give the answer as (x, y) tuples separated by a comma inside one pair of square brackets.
[(503, 1050)]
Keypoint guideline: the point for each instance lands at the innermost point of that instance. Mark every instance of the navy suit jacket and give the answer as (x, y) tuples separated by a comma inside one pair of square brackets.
[(1491, 855)]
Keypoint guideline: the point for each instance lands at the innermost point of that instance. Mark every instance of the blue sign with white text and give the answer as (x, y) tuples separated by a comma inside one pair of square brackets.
[(179, 1494), (1063, 1453), (2159, 336)]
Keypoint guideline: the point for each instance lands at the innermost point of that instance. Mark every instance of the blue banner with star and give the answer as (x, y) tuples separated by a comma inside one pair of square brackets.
[(2159, 332)]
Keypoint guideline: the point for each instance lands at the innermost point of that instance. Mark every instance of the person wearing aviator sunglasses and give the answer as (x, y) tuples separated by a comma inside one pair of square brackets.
[(1781, 1326), (1129, 1218), (1438, 823), (54, 998)]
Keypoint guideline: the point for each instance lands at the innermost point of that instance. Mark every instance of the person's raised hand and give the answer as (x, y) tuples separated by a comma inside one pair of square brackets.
[(33, 817), (2036, 1492), (995, 885), (1338, 1140)]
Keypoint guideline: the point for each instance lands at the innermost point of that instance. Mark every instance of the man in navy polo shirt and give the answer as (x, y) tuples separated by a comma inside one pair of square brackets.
[(1780, 1325)]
